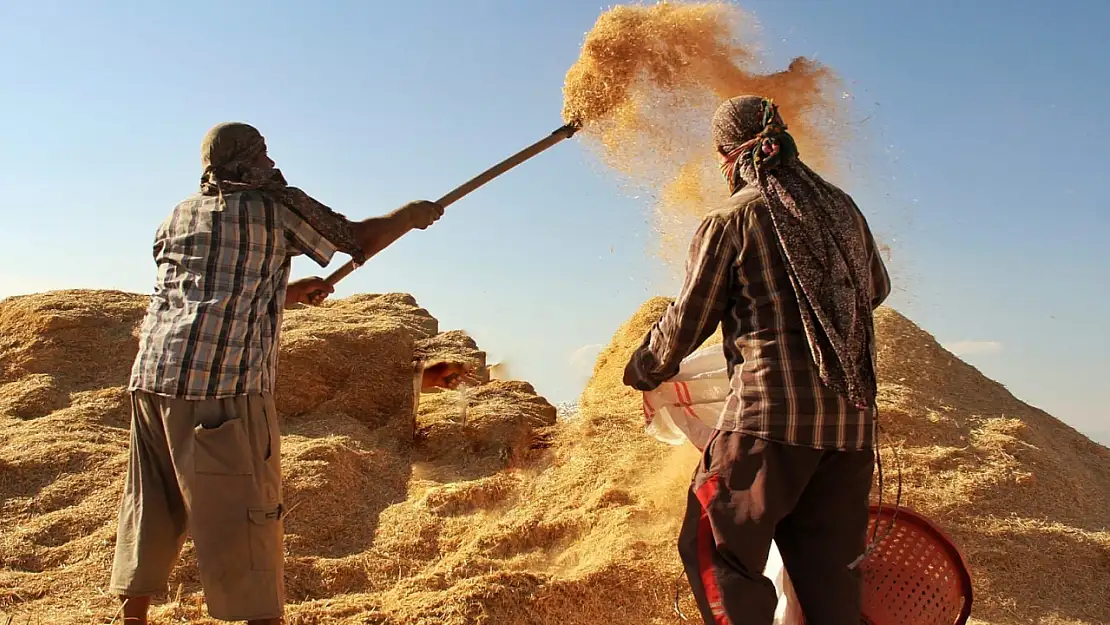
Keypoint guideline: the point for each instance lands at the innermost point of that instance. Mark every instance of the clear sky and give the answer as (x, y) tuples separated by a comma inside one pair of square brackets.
[(983, 161)]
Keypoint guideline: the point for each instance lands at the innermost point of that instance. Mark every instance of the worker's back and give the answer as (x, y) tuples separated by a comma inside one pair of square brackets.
[(776, 392), (214, 318)]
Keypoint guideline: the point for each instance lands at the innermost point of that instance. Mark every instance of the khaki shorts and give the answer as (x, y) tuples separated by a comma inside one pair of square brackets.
[(212, 468)]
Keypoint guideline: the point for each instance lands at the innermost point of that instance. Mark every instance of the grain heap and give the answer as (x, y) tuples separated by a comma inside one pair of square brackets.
[(474, 523), (368, 507), (477, 523), (1022, 494)]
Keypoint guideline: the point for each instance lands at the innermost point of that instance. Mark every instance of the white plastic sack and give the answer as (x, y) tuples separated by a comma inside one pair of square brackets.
[(686, 408)]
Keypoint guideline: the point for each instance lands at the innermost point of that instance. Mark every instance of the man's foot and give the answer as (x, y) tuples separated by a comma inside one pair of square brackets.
[(134, 610)]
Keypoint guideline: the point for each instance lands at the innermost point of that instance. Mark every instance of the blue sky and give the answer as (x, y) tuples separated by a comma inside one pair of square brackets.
[(982, 161)]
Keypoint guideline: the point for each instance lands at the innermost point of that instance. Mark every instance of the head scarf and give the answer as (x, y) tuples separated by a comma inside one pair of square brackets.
[(234, 159), (818, 231)]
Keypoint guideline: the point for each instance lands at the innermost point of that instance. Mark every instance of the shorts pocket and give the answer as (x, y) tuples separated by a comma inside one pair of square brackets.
[(223, 450), (265, 529)]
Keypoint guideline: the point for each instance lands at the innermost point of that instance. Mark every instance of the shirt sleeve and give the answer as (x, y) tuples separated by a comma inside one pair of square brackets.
[(695, 313), (304, 239)]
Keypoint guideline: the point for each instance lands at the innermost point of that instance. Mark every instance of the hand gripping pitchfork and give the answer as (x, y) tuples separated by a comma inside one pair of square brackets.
[(564, 132)]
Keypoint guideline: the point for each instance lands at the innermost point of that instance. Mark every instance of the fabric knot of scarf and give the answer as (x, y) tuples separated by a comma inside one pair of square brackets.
[(770, 148)]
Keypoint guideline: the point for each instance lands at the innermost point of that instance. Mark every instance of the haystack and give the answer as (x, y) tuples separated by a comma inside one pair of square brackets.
[(479, 509), (356, 475), (1022, 494)]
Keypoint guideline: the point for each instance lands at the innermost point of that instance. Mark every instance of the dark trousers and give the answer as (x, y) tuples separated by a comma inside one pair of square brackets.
[(812, 503)]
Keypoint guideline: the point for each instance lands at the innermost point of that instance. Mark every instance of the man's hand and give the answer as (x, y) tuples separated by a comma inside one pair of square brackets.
[(311, 291), (447, 375), (421, 214)]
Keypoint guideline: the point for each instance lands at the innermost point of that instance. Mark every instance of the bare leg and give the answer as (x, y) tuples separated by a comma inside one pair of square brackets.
[(134, 610)]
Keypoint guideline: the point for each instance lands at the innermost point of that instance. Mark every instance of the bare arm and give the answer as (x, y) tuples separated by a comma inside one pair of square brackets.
[(377, 233), (372, 235)]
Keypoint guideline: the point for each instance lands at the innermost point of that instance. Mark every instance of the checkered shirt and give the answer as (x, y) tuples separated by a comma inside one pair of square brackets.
[(737, 278), (214, 320)]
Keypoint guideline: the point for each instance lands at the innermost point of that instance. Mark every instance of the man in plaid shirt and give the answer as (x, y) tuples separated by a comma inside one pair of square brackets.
[(205, 445), (789, 269)]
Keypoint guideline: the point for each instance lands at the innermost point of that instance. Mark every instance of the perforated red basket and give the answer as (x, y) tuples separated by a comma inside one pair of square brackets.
[(915, 575)]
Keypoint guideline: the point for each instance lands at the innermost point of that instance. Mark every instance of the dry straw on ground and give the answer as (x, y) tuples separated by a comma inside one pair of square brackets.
[(1023, 494), (477, 523), (356, 483)]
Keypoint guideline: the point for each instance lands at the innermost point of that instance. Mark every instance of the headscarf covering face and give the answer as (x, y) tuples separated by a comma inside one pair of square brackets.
[(234, 159), (816, 225)]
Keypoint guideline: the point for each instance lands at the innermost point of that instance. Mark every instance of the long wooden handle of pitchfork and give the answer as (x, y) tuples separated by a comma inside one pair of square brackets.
[(564, 132)]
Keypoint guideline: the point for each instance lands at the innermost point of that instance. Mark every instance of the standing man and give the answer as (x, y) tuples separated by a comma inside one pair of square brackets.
[(789, 269), (205, 445)]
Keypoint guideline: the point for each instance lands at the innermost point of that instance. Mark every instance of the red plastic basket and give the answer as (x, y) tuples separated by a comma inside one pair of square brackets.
[(915, 575)]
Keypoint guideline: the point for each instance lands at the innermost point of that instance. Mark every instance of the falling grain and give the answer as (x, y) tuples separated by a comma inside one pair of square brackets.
[(649, 79)]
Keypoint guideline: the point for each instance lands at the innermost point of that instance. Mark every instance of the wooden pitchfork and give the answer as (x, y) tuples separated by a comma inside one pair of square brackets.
[(564, 132)]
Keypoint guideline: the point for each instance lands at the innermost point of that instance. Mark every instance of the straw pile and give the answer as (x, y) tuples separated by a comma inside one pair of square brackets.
[(477, 509), (367, 503), (1022, 494), (502, 516)]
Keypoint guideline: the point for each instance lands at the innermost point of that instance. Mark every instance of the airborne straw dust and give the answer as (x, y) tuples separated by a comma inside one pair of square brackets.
[(646, 86)]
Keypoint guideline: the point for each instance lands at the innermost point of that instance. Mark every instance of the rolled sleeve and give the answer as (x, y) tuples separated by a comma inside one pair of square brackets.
[(304, 239)]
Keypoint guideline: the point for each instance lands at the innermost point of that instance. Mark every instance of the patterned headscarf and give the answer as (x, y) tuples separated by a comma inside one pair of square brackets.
[(234, 159), (817, 229)]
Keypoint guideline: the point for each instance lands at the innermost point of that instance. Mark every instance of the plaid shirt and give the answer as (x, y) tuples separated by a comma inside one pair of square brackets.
[(736, 277), (213, 323)]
